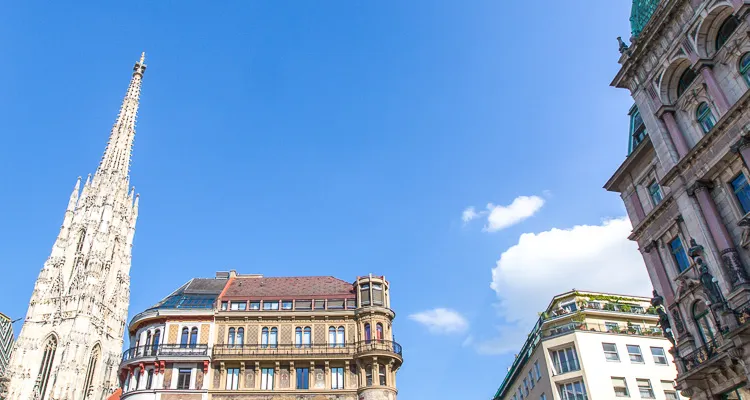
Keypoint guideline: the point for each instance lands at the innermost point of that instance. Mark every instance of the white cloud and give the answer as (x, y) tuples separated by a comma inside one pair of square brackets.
[(441, 321), (522, 207), (501, 217), (469, 214), (541, 265)]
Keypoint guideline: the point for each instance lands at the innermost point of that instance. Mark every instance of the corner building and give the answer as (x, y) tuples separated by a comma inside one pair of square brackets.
[(254, 337), (684, 181), (589, 345)]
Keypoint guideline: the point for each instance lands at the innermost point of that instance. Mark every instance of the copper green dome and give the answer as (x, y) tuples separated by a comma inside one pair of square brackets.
[(640, 14)]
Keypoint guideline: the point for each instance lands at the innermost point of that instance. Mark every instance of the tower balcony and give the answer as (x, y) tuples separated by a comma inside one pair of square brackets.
[(379, 348), (165, 351)]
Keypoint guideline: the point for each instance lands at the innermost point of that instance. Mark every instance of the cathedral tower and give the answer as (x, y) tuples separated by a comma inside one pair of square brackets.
[(70, 344)]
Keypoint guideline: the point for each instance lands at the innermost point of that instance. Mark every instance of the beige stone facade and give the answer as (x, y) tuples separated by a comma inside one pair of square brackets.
[(266, 338), (585, 344), (684, 181)]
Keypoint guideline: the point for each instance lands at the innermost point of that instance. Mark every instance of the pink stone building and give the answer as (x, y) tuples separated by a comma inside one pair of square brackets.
[(684, 181)]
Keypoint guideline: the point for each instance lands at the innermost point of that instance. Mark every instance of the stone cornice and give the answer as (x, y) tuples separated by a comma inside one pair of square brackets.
[(700, 148), (651, 216), (637, 154)]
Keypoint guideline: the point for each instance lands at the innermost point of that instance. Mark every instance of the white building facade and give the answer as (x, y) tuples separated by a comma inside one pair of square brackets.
[(70, 344)]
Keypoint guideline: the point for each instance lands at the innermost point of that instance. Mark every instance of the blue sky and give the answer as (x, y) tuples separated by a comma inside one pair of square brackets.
[(337, 138)]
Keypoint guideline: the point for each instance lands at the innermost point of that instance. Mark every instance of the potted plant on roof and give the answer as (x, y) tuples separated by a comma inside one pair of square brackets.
[(631, 328)]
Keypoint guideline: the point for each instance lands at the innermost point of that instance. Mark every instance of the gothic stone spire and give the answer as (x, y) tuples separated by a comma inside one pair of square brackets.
[(79, 306)]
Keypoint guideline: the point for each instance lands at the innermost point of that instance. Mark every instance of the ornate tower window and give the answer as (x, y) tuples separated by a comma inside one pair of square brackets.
[(45, 368), (193, 337), (637, 129), (88, 390), (701, 315), (704, 117), (184, 337)]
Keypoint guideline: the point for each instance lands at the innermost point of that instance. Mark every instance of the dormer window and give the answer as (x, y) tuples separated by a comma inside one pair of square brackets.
[(637, 129), (286, 304), (270, 305), (364, 294), (255, 305)]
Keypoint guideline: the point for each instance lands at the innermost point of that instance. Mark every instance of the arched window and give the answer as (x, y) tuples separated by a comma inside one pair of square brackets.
[(155, 343), (379, 332), (702, 318), (686, 79), (240, 336), (81, 238), (340, 339), (88, 390), (272, 340), (298, 337), (705, 117), (230, 339), (332, 337), (368, 375), (307, 337), (193, 337), (368, 333), (264, 338), (725, 31), (45, 368), (147, 347), (381, 374), (745, 67), (184, 337)]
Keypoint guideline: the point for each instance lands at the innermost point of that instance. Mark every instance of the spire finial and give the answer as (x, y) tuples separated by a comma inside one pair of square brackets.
[(143, 57)]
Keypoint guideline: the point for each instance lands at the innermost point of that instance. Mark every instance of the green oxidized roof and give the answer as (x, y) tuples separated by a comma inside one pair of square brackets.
[(640, 14)]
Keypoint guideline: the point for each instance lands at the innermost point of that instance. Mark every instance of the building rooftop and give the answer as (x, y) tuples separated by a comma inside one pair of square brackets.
[(195, 294), (640, 14), (258, 287)]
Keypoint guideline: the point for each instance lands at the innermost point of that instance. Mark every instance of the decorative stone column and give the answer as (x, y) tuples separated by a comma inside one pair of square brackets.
[(730, 259), (277, 376), (666, 114), (742, 147), (653, 259), (718, 96), (292, 376)]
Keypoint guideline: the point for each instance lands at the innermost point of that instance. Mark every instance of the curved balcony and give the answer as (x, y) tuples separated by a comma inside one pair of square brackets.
[(235, 351), (165, 350), (379, 348)]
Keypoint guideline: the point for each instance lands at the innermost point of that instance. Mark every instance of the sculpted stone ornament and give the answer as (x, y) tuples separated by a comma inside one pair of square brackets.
[(708, 282), (658, 301)]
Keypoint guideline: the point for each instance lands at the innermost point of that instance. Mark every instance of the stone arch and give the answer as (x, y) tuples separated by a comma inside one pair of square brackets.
[(709, 27), (670, 80), (49, 349), (92, 367)]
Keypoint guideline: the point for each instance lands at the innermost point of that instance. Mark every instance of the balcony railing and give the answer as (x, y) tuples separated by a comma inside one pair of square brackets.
[(348, 349), (607, 328), (165, 350), (700, 355)]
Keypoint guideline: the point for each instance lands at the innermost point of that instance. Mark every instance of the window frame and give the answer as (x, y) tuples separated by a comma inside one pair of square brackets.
[(744, 68), (653, 194), (674, 251), (571, 361), (705, 118), (615, 352), (233, 379), (743, 188), (638, 355), (661, 356), (181, 374), (625, 386), (337, 378), (302, 376), (650, 388), (266, 378), (722, 37)]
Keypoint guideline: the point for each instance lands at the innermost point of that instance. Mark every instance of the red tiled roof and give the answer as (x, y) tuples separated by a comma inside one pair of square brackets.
[(303, 287)]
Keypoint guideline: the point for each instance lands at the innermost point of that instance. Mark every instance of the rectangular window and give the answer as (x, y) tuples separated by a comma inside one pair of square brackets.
[(286, 304), (565, 360), (612, 327), (531, 379), (149, 379), (610, 352), (364, 294), (520, 393), (224, 305), (654, 190), (526, 386), (620, 386), (255, 305), (303, 377), (233, 378), (570, 307), (266, 379), (183, 378), (351, 304), (573, 391), (337, 378), (238, 306), (320, 304), (670, 393), (679, 254), (742, 192), (660, 358), (635, 353), (303, 304), (337, 304), (644, 387), (377, 294), (537, 371), (270, 305)]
